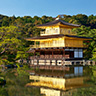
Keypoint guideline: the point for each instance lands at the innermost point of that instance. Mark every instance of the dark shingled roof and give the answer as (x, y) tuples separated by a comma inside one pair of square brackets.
[(79, 36), (57, 36), (56, 21), (46, 37)]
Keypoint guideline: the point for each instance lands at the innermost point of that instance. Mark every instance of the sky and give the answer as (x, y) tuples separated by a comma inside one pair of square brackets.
[(47, 7)]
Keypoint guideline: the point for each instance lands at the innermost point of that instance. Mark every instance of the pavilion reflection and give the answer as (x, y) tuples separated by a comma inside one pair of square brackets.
[(56, 83)]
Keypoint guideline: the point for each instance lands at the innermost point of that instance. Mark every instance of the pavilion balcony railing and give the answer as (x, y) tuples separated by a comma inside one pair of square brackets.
[(42, 33), (49, 58), (34, 46), (68, 33), (46, 46), (56, 45)]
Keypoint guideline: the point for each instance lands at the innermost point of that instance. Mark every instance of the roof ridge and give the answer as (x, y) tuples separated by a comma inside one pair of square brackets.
[(57, 21)]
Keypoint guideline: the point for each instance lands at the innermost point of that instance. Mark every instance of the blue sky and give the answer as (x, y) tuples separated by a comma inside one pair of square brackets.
[(47, 7)]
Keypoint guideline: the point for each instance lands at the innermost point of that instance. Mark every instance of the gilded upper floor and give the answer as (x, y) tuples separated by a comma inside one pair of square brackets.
[(57, 27)]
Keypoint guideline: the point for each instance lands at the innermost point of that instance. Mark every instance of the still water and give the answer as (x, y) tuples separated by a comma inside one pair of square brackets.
[(61, 83)]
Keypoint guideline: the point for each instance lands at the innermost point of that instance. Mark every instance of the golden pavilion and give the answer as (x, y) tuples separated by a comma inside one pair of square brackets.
[(56, 46)]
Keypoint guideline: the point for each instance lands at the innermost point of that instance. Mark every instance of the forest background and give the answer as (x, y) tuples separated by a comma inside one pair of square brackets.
[(14, 30)]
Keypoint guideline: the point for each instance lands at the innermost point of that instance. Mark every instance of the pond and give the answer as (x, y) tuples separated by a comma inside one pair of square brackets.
[(62, 83), (78, 81)]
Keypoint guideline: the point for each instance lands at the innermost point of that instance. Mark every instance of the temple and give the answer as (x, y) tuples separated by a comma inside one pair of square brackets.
[(56, 46)]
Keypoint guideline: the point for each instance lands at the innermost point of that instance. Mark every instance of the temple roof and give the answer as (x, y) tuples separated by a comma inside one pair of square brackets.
[(56, 21), (55, 36), (47, 37)]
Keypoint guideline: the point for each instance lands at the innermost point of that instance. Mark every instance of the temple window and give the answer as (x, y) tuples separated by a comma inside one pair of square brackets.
[(56, 30), (69, 31), (47, 31)]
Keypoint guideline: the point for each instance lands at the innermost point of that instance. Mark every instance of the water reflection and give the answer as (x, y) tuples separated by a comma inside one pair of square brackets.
[(56, 82), (53, 92), (78, 71), (73, 71)]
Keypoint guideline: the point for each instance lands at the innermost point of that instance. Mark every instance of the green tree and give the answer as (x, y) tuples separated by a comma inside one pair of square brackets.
[(10, 43)]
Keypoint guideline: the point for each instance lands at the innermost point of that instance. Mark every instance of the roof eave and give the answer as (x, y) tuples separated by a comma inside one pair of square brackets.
[(57, 22)]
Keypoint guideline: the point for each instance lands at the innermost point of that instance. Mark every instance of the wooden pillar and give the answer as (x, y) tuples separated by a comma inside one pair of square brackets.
[(33, 61), (35, 43), (39, 54), (52, 54), (78, 52), (37, 62), (56, 62), (45, 62), (74, 54), (44, 54), (63, 52), (49, 54), (34, 53)]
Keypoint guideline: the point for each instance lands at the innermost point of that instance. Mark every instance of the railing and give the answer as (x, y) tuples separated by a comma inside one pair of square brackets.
[(68, 33), (59, 45), (49, 58), (47, 45), (35, 46), (42, 33)]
